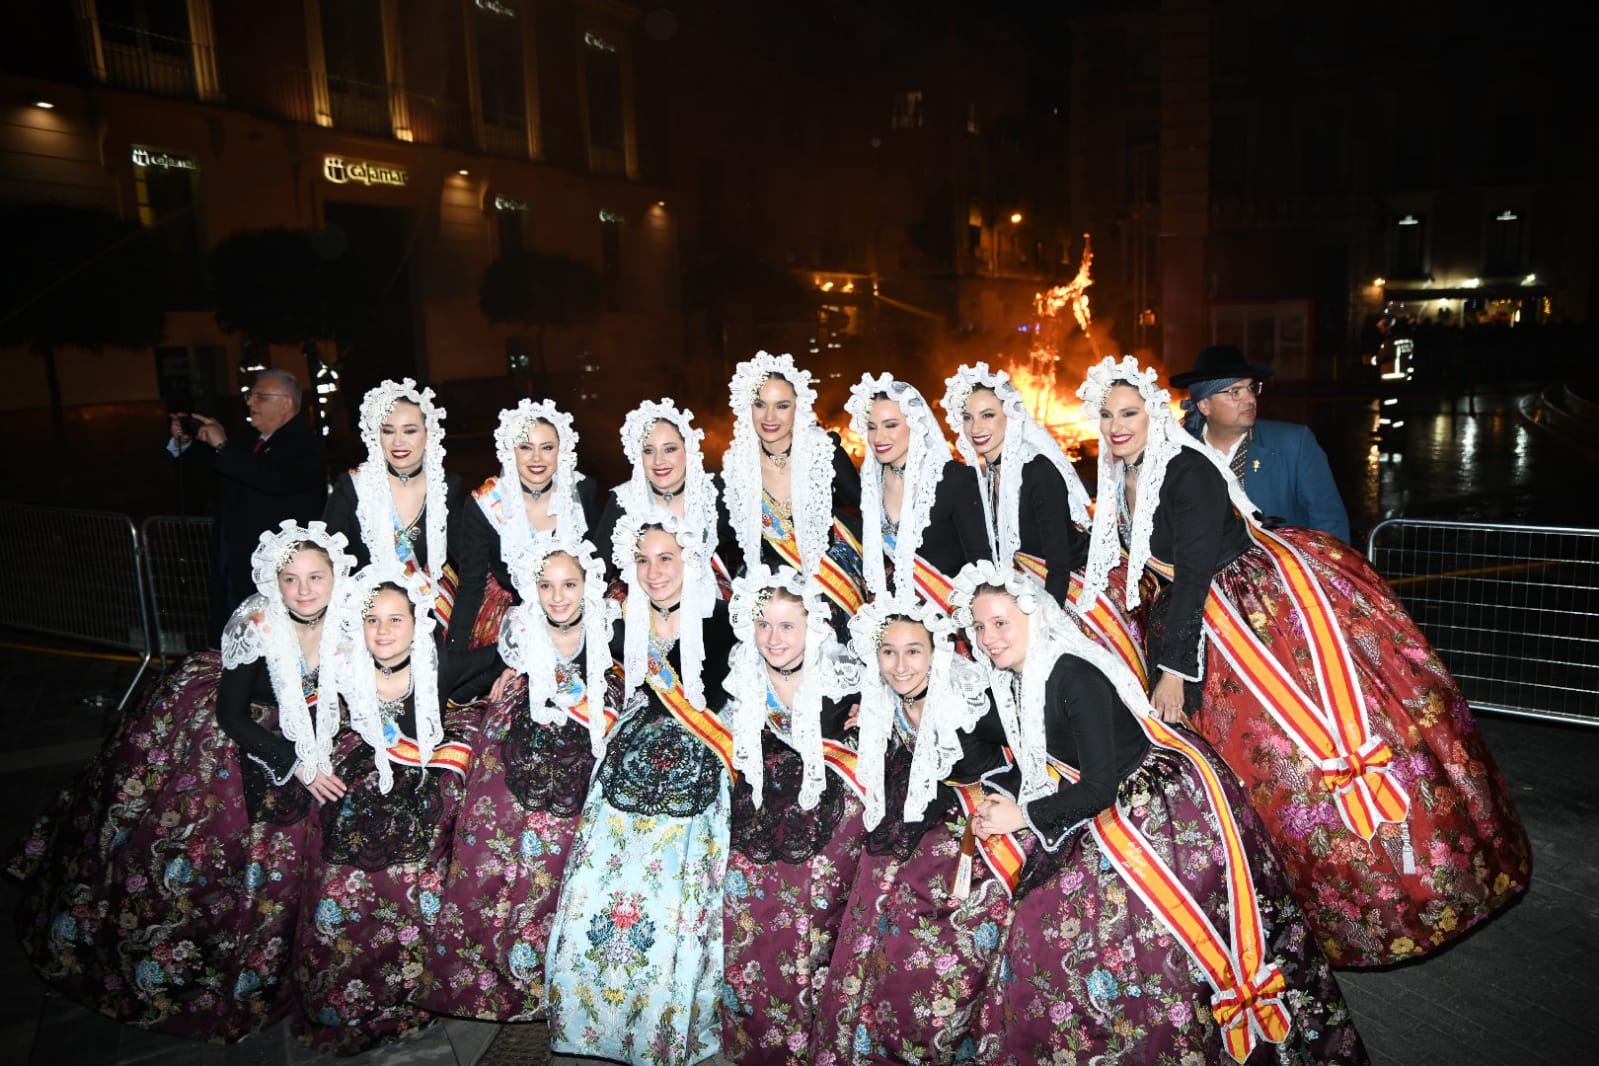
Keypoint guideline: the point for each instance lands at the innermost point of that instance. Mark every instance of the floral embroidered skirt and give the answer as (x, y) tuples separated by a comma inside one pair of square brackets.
[(375, 865), (512, 838), (1462, 853), (910, 960), (779, 928), (1087, 973), (635, 957), (149, 894)]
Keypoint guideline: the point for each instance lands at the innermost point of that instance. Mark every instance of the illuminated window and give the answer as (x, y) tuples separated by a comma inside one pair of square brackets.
[(1407, 246), (907, 113), (164, 192), (502, 81), (352, 50)]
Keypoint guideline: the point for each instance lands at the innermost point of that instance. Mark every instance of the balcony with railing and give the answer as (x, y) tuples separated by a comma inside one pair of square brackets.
[(130, 57), (505, 135)]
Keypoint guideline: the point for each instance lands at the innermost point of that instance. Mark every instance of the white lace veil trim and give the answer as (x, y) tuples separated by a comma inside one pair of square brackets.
[(699, 488), (827, 671), (262, 626), (374, 503), (810, 462), (514, 528), (1024, 439), (358, 678), (525, 643), (1166, 437), (698, 603), (1053, 633), (957, 698), (924, 467)]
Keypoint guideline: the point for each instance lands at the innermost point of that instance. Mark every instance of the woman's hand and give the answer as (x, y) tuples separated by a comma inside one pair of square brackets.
[(854, 719), (497, 692), (326, 787), (995, 815), (1168, 698)]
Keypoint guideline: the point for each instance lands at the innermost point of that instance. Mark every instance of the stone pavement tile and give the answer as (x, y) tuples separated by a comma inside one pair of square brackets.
[(469, 1039)]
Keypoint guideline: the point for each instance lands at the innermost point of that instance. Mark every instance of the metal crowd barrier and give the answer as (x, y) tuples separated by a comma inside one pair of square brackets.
[(76, 575), (1513, 611), (178, 564)]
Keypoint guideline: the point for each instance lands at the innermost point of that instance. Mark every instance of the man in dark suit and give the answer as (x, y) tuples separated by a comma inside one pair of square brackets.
[(272, 470), (1280, 465)]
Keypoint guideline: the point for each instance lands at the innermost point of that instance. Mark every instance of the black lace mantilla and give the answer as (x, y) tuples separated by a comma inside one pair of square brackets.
[(780, 830), (548, 767), (897, 839), (653, 766), (372, 830)]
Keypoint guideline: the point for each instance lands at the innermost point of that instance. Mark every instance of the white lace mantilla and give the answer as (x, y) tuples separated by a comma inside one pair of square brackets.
[(698, 603), (924, 469), (511, 521), (374, 503), (1166, 437), (699, 489)]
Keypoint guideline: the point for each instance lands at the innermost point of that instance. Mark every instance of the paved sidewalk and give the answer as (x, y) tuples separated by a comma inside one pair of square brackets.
[(1516, 990)]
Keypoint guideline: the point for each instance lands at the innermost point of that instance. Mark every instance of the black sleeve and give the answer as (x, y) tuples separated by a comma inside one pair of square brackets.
[(1046, 508), (603, 532), (1194, 507), (727, 545), (588, 498), (340, 516), (962, 499), (981, 752), (477, 549), (1081, 726), (291, 463), (233, 715), (846, 479)]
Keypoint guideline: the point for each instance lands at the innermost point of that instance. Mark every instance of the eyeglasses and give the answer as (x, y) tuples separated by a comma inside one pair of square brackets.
[(268, 395), (1238, 392)]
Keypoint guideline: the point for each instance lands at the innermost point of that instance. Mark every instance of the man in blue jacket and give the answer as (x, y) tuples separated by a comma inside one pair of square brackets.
[(1280, 465)]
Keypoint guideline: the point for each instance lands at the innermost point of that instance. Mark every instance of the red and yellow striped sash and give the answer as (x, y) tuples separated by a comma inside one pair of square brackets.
[(840, 587), (452, 755), (843, 760), (933, 585), (1107, 624), (1334, 732), (579, 713), (1001, 853), (706, 725)]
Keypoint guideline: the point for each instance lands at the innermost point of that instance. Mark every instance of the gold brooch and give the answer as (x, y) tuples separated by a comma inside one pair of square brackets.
[(1257, 466)]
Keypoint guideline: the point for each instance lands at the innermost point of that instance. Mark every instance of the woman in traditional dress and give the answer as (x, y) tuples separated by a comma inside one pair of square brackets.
[(375, 861), (921, 509), (398, 505), (635, 955), (163, 888), (526, 788), (665, 453), (796, 821), (1034, 502), (1153, 919), (537, 449), (924, 915), (788, 486), (1294, 659)]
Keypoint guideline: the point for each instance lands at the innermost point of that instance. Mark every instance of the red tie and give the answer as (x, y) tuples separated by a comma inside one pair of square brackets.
[(260, 442)]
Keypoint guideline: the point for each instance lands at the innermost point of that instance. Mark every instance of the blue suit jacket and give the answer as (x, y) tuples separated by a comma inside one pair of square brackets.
[(1286, 474)]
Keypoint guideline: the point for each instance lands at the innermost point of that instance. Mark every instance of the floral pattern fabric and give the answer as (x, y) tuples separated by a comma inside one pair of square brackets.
[(149, 895), (635, 955), (1087, 973), (1461, 855), (360, 952)]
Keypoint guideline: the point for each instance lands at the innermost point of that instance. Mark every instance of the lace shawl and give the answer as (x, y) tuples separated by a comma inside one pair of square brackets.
[(924, 468), (358, 681), (512, 523), (827, 672), (1166, 437), (810, 463), (525, 644), (957, 699), (1024, 440), (374, 503), (699, 489), (261, 626), (698, 603)]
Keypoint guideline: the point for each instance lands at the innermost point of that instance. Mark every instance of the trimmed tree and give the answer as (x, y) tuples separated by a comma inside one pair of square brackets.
[(77, 277)]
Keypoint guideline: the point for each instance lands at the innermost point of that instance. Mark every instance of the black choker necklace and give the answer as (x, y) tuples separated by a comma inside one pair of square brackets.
[(667, 497), (405, 479), (565, 627), (919, 697), (786, 673), (666, 612), (538, 493), (779, 459), (1138, 464), (899, 470), (314, 620), (390, 671)]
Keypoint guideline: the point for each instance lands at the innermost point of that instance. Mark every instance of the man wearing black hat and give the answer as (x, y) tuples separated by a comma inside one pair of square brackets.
[(1280, 465)]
